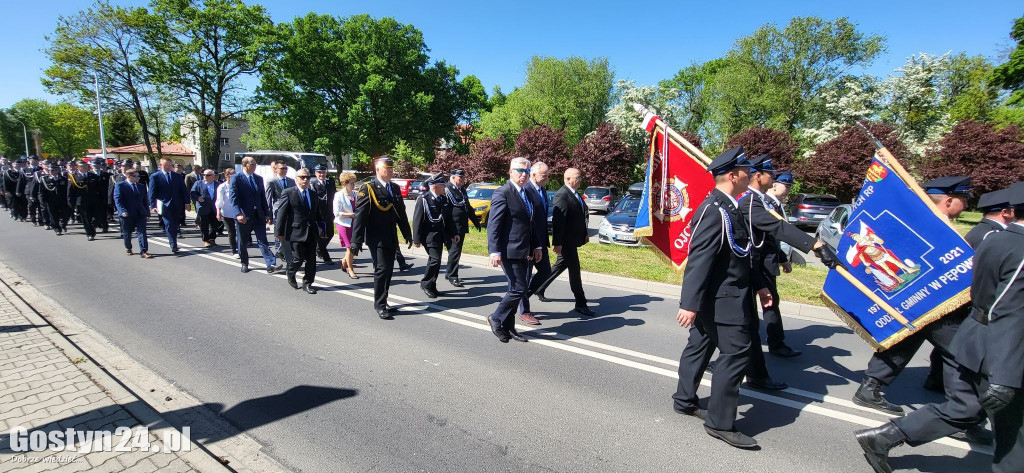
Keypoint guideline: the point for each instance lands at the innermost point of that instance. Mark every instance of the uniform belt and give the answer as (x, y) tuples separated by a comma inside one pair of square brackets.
[(979, 315)]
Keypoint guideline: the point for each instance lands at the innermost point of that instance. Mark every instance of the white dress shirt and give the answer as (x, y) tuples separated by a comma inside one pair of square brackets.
[(342, 204)]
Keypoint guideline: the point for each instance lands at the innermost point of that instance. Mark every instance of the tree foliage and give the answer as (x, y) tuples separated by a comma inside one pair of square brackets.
[(838, 166), (360, 83), (488, 160), (120, 128), (65, 130), (603, 157), (993, 158), (267, 132), (1010, 75), (543, 143), (572, 95), (759, 140)]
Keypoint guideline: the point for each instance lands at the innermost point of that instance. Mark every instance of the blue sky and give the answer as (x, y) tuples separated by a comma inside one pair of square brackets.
[(645, 42)]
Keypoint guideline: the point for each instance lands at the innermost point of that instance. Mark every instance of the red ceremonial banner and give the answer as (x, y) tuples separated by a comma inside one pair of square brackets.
[(677, 182)]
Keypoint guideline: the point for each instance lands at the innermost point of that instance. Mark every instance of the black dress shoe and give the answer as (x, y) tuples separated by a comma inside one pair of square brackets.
[(584, 311), (693, 411), (456, 282), (429, 292), (767, 384), (293, 283), (497, 330), (384, 314), (309, 289), (405, 267), (785, 352), (515, 335), (541, 297), (731, 437), (91, 238), (245, 269), (273, 269), (129, 252), (869, 394), (876, 444)]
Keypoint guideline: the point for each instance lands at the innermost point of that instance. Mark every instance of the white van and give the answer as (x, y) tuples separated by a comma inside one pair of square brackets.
[(294, 159)]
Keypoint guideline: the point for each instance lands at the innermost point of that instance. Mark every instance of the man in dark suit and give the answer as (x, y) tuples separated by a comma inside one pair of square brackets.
[(204, 194), (569, 232), (990, 355), (190, 181), (82, 195), (275, 187), (538, 271), (460, 213), (717, 301), (132, 202), (298, 224), (431, 228), (998, 213), (513, 241), (379, 210), (168, 196), (326, 188), (248, 196)]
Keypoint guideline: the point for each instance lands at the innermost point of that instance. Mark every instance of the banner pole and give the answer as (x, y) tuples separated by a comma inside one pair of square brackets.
[(874, 298), (675, 136)]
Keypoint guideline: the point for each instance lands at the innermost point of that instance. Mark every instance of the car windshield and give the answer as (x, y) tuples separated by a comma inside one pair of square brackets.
[(479, 193), (310, 161), (629, 205), (827, 201), (597, 191)]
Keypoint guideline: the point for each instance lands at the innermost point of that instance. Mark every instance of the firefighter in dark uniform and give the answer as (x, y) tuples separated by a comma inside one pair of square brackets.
[(460, 213), (28, 177), (82, 200), (99, 189), (53, 195), (717, 301), (325, 188), (4, 166), (767, 228), (14, 188), (997, 214), (431, 228), (379, 210), (990, 355)]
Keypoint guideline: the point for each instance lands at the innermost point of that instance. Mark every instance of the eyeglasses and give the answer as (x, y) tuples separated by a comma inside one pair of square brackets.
[(302, 177), (521, 170), (209, 175), (134, 175)]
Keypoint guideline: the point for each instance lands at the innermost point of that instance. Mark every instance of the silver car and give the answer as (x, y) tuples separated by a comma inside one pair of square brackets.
[(600, 199), (831, 228)]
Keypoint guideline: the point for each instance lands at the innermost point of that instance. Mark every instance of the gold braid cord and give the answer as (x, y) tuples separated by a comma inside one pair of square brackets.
[(373, 197), (71, 179)]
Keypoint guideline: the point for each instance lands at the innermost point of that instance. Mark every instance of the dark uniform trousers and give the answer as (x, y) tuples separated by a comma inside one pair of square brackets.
[(302, 254), (886, 365), (516, 272), (569, 259), (429, 280), (536, 278), (85, 215), (55, 212), (733, 343), (774, 331), (383, 256), (451, 269)]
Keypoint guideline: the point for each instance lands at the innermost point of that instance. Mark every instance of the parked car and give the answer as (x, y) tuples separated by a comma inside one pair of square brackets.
[(417, 188), (617, 227), (478, 184), (831, 228), (480, 199), (809, 209), (600, 199)]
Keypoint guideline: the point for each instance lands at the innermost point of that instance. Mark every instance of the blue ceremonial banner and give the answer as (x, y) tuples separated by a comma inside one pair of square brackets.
[(903, 263)]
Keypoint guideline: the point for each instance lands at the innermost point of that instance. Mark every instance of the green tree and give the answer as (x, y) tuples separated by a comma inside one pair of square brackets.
[(201, 51), (65, 130), (12, 135), (362, 84), (966, 89), (105, 40), (572, 95), (267, 132), (689, 94), (772, 76), (1010, 75), (120, 128)]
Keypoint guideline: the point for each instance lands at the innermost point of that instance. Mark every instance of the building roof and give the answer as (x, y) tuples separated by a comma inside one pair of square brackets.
[(169, 148)]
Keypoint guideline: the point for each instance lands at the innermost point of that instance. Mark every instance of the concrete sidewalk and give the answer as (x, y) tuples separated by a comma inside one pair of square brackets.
[(47, 384)]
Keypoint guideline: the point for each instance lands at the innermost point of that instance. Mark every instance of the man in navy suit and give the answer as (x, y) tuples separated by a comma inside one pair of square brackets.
[(167, 195), (513, 240), (132, 202), (204, 194), (248, 196)]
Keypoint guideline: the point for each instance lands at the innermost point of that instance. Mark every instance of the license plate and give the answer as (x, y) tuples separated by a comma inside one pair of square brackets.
[(625, 237)]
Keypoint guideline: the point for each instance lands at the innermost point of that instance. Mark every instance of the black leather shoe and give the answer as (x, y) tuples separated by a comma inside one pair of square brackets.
[(456, 282), (497, 330), (273, 269), (384, 314), (585, 311), (876, 444), (245, 269), (869, 394), (785, 352), (731, 437), (694, 412), (429, 292), (91, 238), (294, 284), (541, 297), (767, 384), (405, 267), (515, 335), (309, 289)]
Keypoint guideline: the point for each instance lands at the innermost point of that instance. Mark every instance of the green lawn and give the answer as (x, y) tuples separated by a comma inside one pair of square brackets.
[(802, 285)]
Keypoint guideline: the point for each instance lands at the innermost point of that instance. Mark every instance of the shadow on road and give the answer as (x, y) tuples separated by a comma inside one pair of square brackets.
[(19, 328)]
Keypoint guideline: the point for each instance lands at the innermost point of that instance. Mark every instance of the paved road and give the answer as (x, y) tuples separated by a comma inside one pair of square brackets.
[(326, 386)]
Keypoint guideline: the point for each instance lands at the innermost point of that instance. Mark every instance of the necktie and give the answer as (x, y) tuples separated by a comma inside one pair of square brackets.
[(526, 202), (285, 183), (252, 182), (543, 198), (134, 189), (578, 199), (305, 195)]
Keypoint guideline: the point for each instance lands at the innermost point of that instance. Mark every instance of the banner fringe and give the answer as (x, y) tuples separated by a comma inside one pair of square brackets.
[(665, 259), (851, 322)]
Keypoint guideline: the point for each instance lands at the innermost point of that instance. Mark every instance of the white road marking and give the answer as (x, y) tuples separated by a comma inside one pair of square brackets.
[(439, 312)]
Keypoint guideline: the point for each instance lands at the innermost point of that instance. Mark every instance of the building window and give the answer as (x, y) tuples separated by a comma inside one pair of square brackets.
[(225, 126), (227, 157), (224, 142)]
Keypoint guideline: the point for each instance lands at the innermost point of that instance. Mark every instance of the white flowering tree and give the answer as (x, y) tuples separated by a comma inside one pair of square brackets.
[(850, 100)]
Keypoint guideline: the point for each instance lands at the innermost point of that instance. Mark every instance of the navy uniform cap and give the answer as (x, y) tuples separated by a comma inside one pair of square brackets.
[(994, 201), (785, 177), (762, 163), (435, 179), (386, 161), (128, 162), (728, 160), (949, 185), (1016, 194), (459, 172), (320, 167)]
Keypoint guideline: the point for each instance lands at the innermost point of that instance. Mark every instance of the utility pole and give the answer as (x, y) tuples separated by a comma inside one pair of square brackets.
[(99, 111), (24, 130)]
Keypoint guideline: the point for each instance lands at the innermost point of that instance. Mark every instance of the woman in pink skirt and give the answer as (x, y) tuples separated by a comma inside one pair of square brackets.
[(344, 210)]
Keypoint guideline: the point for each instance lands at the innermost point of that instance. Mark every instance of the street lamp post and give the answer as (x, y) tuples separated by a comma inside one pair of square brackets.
[(24, 129), (99, 111)]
